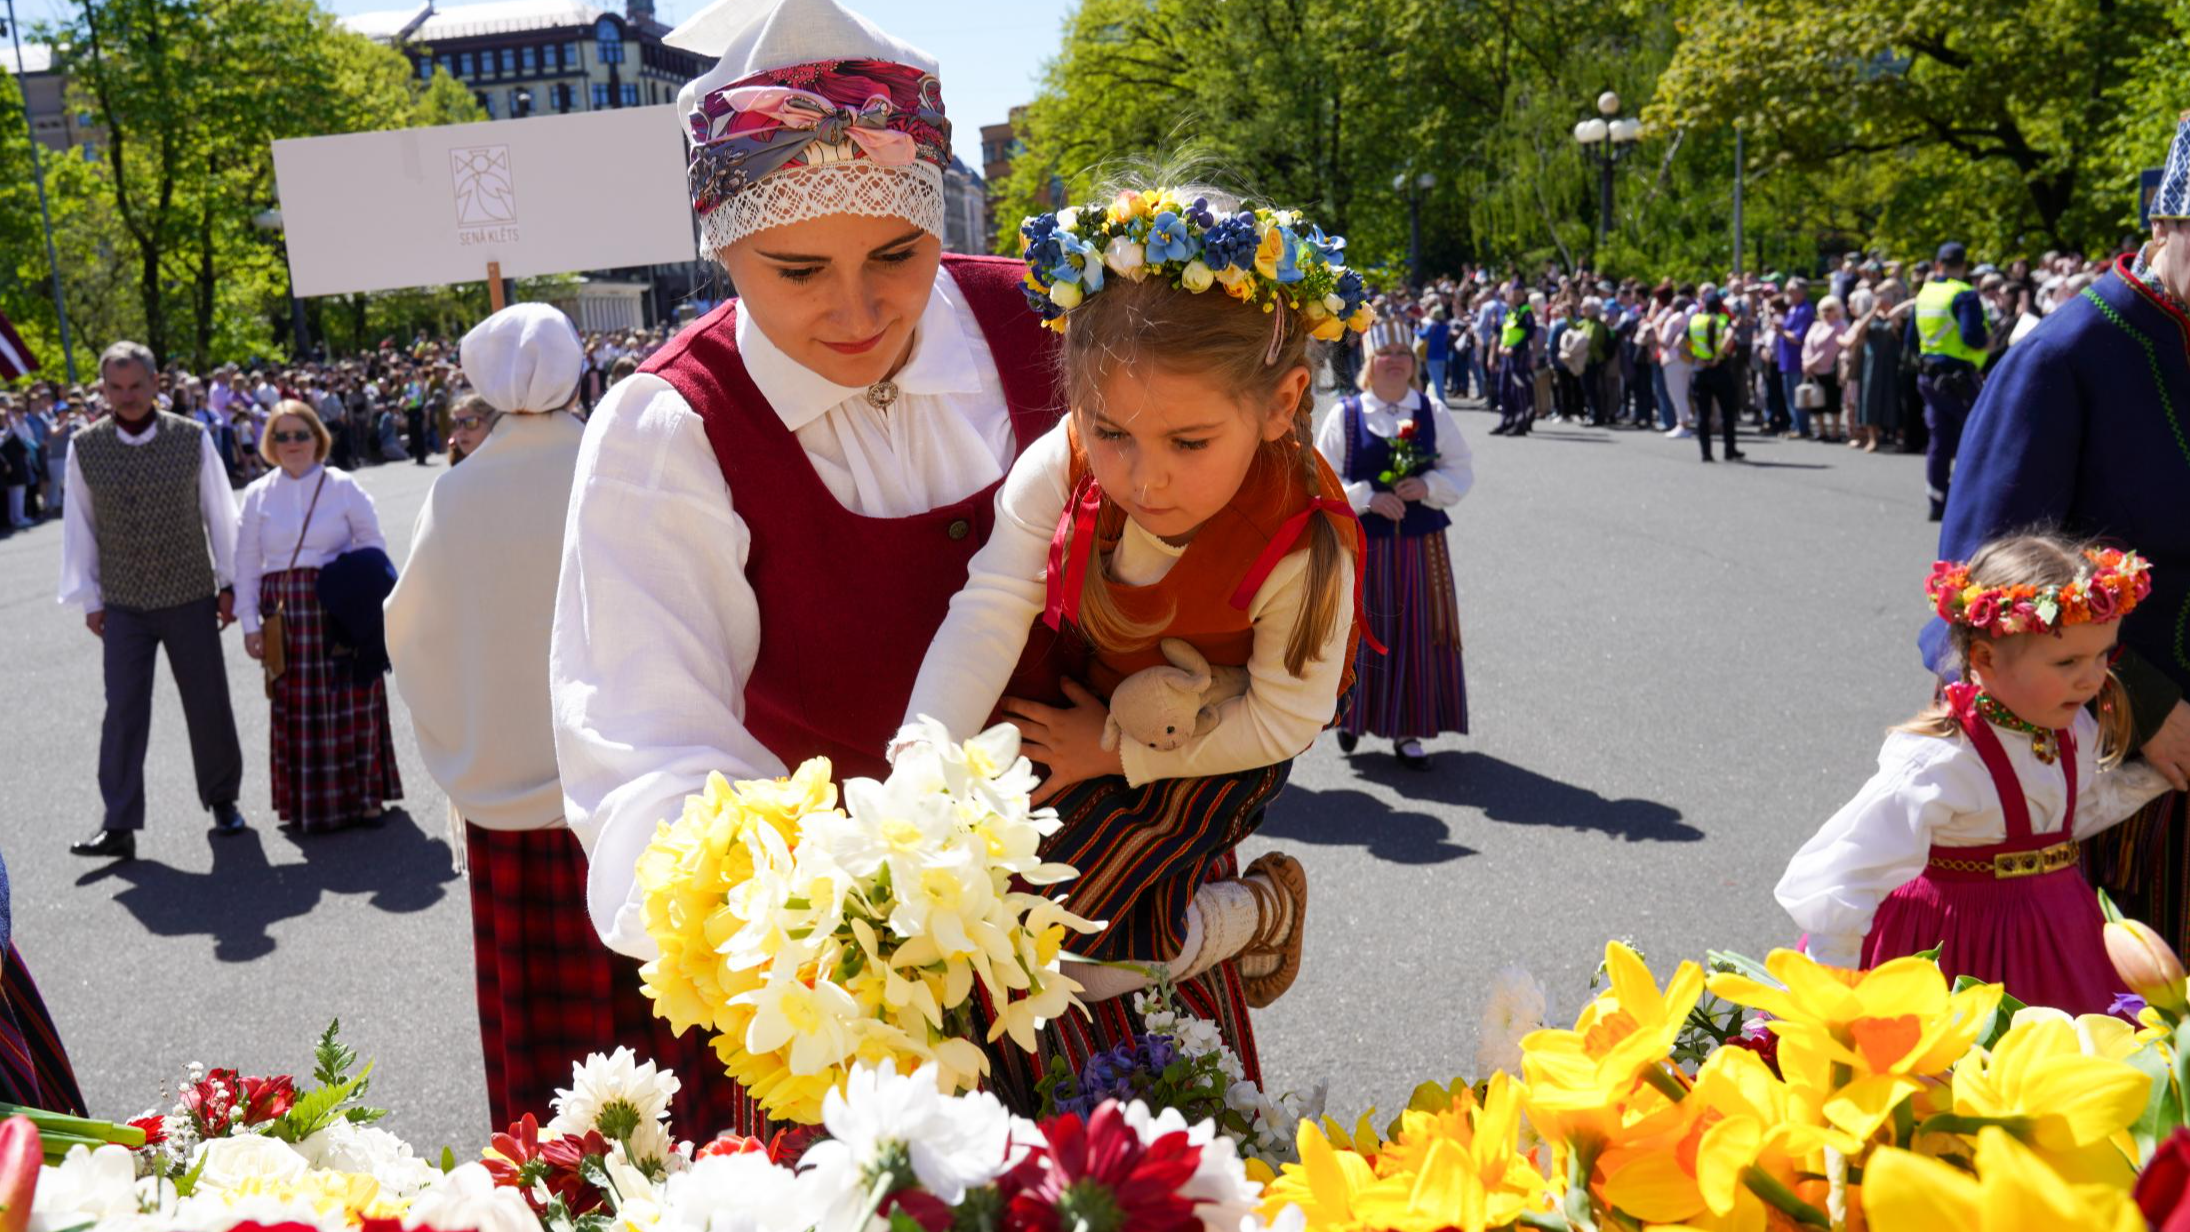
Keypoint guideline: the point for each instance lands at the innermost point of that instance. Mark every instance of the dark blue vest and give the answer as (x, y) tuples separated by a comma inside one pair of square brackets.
[(1367, 454)]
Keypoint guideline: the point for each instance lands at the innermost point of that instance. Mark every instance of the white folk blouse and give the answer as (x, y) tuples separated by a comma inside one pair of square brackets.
[(1930, 791), (273, 514), (1448, 481), (656, 626)]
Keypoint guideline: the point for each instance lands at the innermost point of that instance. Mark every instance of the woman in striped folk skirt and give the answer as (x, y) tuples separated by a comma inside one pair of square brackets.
[(34, 1068), (333, 749), (1404, 463)]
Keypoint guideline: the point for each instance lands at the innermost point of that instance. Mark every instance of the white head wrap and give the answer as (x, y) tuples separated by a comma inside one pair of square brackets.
[(524, 359)]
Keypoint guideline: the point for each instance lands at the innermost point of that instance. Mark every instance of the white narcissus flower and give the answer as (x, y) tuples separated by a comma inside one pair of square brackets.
[(815, 1020), (739, 1193), (229, 1162), (882, 1118), (1224, 1199), (468, 1198), (1516, 1007), (619, 1095), (87, 1186)]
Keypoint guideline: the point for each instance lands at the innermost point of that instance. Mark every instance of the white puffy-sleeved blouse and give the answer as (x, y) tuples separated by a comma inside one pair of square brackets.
[(273, 516), (1936, 791)]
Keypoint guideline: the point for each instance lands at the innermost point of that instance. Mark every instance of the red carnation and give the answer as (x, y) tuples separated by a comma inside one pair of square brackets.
[(155, 1130), (1098, 1176), (1406, 429), (2163, 1192)]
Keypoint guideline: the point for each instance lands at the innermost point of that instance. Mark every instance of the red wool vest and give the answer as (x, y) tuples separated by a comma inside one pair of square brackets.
[(849, 603)]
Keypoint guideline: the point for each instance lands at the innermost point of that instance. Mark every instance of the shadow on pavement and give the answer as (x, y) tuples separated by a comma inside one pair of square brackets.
[(1515, 795), (1348, 818), (245, 895)]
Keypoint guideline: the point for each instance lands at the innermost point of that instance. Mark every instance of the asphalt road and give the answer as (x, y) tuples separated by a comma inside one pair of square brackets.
[(1675, 673)]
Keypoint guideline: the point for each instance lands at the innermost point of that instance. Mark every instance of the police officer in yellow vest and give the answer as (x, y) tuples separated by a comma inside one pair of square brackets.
[(1711, 348), (1948, 330), (1516, 371), (1711, 344)]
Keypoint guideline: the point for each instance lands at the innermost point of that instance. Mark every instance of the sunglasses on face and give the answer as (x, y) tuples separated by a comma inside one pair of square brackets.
[(469, 423), (291, 438)]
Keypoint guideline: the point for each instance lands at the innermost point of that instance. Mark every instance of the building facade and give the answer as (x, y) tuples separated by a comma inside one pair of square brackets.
[(45, 93), (540, 57), (965, 210)]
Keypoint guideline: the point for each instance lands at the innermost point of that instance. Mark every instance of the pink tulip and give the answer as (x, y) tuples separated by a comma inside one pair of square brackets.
[(2144, 961), (22, 1154)]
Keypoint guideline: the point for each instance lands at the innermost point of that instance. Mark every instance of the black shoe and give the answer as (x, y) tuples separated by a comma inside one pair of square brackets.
[(1347, 741), (107, 844), (1500, 430), (227, 819), (1412, 761), (1938, 511), (1707, 458), (1735, 455)]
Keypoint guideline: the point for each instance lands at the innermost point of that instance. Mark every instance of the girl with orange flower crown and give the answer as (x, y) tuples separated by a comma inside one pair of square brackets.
[(1179, 519), (1966, 838)]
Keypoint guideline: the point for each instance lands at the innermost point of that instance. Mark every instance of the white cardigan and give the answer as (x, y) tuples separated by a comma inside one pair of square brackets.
[(468, 624)]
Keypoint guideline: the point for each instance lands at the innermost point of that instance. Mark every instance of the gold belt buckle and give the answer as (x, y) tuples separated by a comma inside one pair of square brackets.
[(2031, 863)]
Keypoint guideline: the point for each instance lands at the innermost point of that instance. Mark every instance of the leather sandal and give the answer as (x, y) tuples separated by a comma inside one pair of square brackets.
[(1287, 877)]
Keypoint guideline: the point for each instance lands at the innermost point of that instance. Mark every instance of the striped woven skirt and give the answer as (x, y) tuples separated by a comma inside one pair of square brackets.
[(550, 992), (2143, 864), (34, 1068), (333, 749), (1142, 852), (1419, 688)]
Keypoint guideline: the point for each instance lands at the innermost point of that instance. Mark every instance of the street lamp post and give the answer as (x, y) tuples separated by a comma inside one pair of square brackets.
[(45, 215), (1607, 139), (1414, 187), (301, 337)]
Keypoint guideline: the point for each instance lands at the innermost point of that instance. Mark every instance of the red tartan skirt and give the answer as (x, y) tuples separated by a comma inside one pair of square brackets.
[(550, 992), (333, 749), (34, 1068)]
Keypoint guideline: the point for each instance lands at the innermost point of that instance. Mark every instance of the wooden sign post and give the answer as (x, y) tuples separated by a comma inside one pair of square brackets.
[(494, 286)]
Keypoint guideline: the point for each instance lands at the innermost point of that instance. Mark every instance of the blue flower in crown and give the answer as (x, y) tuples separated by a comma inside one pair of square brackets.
[(1331, 248), (1231, 243), (1169, 239), (1079, 261)]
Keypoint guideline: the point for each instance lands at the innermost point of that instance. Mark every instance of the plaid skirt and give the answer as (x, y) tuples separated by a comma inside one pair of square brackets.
[(1419, 688), (1142, 852), (34, 1068), (550, 992), (333, 749)]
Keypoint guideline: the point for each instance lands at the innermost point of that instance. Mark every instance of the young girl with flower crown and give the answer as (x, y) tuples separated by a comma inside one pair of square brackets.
[(1181, 500), (1966, 838)]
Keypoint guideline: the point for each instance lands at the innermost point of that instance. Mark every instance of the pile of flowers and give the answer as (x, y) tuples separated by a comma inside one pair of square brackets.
[(1259, 256), (811, 938), (2120, 582)]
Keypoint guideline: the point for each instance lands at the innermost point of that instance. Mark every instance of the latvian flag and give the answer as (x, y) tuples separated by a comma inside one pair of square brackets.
[(15, 358)]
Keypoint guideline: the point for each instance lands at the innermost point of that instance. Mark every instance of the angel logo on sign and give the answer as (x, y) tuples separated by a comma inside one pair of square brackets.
[(486, 196)]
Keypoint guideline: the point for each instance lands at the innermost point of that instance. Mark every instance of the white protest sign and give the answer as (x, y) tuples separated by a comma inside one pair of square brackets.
[(542, 195)]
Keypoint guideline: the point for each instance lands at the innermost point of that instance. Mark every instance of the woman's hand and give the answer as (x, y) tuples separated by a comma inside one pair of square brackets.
[(254, 644), (2169, 748), (1412, 488), (1069, 740), (1388, 505)]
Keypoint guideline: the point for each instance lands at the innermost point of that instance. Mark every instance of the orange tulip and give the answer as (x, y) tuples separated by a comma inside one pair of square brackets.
[(2147, 964)]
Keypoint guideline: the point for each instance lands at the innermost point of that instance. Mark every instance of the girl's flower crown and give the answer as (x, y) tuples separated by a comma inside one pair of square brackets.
[(2120, 582), (1259, 256)]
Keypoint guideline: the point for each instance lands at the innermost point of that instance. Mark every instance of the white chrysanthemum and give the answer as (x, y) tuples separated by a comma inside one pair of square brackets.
[(468, 1198), (738, 1193), (625, 1099), (343, 1147), (1516, 1007), (1224, 1199), (884, 1120)]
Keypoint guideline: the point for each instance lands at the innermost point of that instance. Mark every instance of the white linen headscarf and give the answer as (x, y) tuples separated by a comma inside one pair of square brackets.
[(525, 359)]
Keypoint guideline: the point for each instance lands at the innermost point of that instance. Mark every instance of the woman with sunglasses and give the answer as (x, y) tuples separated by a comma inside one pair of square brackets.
[(333, 751), (470, 420)]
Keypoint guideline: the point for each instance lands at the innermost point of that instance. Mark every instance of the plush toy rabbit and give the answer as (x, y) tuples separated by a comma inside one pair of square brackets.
[(1164, 707)]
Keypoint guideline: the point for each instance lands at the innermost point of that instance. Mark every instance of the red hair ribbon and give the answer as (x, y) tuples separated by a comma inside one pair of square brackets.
[(1075, 532), (1282, 543)]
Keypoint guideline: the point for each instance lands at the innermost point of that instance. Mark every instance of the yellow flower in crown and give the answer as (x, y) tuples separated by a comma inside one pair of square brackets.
[(1270, 252)]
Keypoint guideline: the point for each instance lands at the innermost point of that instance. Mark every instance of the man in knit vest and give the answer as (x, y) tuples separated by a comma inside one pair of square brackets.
[(148, 547)]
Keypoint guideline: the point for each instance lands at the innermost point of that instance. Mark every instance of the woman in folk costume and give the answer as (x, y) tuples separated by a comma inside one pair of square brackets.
[(769, 519), (2085, 426), (1404, 463), (467, 630), (1179, 521)]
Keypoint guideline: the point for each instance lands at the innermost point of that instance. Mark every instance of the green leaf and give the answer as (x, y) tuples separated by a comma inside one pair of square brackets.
[(187, 1183), (2162, 1108), (1950, 1123), (448, 1160), (317, 1109), (331, 1058)]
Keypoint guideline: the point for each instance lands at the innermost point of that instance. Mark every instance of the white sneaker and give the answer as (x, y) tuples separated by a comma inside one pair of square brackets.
[(1680, 434)]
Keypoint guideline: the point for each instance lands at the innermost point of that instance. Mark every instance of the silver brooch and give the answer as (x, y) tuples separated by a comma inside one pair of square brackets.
[(881, 394)]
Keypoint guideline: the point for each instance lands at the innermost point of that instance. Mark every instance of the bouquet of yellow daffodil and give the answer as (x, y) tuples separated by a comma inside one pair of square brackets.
[(1879, 1099), (811, 937)]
